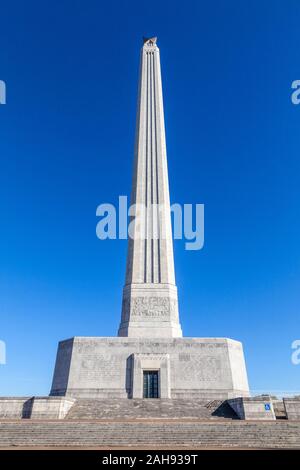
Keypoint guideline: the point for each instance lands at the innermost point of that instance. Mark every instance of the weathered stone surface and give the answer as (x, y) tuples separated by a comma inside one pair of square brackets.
[(12, 407), (188, 367), (152, 434), (253, 408), (292, 408), (150, 311), (120, 409), (279, 408), (35, 407)]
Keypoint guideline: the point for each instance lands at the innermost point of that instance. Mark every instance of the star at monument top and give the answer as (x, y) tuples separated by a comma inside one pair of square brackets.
[(150, 41)]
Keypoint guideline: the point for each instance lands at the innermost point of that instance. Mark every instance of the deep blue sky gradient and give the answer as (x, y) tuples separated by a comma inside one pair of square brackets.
[(66, 145)]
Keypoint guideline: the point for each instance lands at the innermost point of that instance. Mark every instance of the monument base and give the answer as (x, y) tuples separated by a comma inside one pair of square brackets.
[(99, 367)]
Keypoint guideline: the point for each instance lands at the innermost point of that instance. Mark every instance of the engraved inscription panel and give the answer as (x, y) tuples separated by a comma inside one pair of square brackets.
[(100, 369), (149, 307), (195, 369)]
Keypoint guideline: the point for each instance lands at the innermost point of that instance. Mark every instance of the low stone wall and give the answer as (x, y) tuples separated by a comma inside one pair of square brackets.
[(12, 407), (35, 407), (253, 408), (292, 408)]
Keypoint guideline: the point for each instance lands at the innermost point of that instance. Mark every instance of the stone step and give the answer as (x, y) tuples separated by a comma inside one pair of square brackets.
[(223, 434)]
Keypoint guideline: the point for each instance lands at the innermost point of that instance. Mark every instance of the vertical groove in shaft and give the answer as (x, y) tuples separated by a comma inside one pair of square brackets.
[(154, 169), (146, 170), (149, 170), (151, 152), (157, 242)]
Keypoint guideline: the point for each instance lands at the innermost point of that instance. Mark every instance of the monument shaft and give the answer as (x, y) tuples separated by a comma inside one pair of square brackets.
[(150, 305)]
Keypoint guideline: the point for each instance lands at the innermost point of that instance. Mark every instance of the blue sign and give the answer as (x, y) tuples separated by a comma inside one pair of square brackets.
[(267, 407)]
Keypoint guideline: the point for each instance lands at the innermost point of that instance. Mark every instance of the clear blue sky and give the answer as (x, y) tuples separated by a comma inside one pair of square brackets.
[(66, 145)]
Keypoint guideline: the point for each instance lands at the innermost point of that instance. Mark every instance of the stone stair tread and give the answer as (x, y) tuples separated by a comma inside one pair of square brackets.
[(223, 434)]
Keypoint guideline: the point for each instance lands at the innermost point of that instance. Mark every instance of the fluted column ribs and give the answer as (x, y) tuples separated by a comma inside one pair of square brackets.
[(151, 260)]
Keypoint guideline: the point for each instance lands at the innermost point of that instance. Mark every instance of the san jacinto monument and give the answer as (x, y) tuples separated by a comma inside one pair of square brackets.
[(149, 358)]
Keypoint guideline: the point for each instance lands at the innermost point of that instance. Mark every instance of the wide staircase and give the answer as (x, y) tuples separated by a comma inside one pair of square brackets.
[(150, 434), (149, 409), (152, 424)]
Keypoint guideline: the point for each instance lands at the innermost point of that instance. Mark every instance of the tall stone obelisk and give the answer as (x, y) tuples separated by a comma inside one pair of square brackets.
[(150, 304), (150, 359)]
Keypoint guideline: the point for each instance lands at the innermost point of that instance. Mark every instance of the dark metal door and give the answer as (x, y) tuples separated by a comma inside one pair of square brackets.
[(151, 384)]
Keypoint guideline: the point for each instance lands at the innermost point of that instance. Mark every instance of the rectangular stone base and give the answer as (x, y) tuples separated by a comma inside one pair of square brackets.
[(96, 367)]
